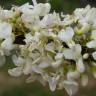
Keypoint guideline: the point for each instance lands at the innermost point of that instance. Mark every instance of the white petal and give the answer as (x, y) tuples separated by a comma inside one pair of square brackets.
[(91, 44), (15, 71), (59, 56), (27, 69), (50, 20), (66, 35), (94, 55), (7, 44), (5, 14), (71, 75), (28, 66), (52, 83), (37, 69), (5, 30), (37, 36), (26, 8), (28, 37), (93, 34), (50, 47), (18, 61), (71, 87), (47, 20), (76, 48), (42, 9), (73, 53), (80, 66), (85, 55), (91, 14), (69, 54), (57, 63), (44, 64)]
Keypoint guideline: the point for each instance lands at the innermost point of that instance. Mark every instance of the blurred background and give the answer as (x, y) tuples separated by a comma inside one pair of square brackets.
[(10, 86)]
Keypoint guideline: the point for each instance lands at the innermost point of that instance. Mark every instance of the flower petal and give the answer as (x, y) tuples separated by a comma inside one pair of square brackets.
[(52, 83), (18, 61), (42, 9), (80, 66), (94, 55), (7, 44), (71, 87), (93, 34), (91, 44), (66, 35), (72, 53), (15, 71), (5, 30), (71, 75)]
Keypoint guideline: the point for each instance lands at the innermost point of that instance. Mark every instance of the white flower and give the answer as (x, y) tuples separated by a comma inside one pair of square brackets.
[(45, 62), (37, 36), (80, 13), (75, 54), (15, 71), (72, 75), (7, 44), (85, 27), (29, 19), (28, 38), (94, 55), (57, 63), (68, 20), (91, 44), (80, 65), (52, 42), (27, 66), (50, 47), (50, 20), (26, 8), (5, 30), (5, 14), (66, 35), (37, 69), (71, 87), (90, 16), (42, 9), (85, 56), (93, 35), (59, 56), (53, 82), (18, 61)]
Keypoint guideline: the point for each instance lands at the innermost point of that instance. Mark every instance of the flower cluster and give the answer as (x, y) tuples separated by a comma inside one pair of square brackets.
[(49, 47)]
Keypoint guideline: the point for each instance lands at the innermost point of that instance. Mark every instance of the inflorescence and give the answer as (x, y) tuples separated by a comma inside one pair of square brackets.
[(49, 47)]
